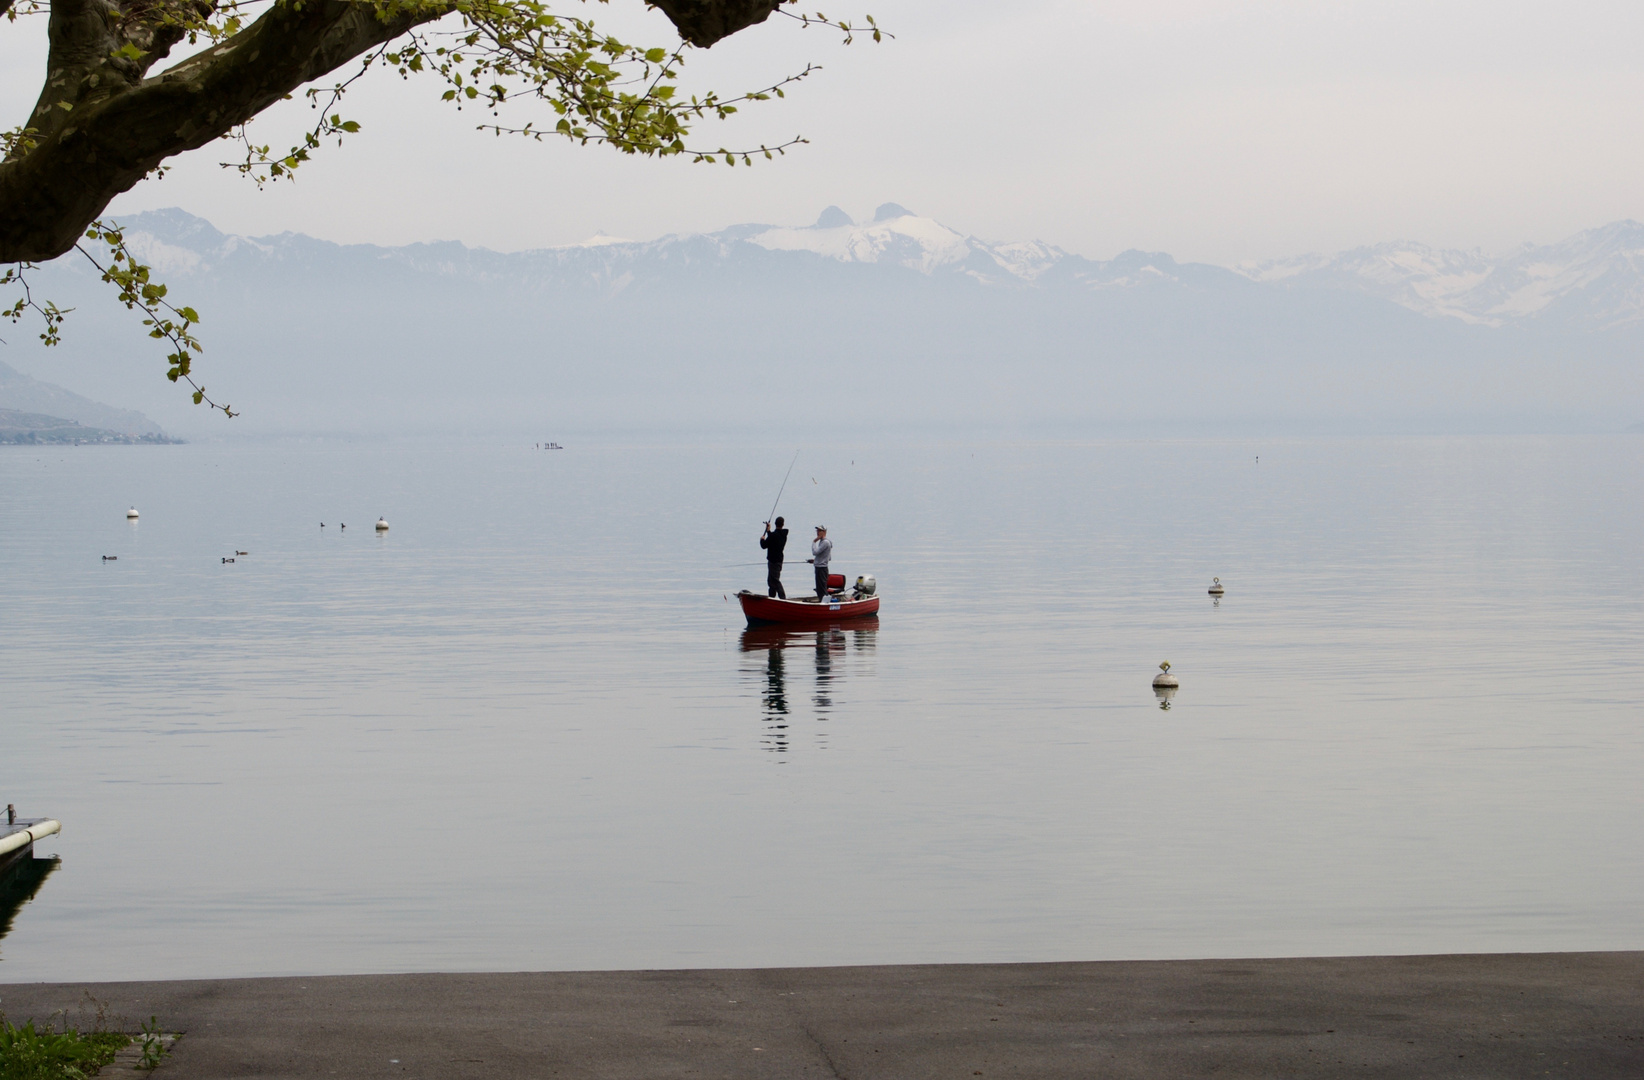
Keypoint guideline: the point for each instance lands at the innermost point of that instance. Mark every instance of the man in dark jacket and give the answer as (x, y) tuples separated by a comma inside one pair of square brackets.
[(774, 541)]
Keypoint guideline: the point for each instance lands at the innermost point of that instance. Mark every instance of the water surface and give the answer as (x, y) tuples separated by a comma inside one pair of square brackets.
[(525, 728)]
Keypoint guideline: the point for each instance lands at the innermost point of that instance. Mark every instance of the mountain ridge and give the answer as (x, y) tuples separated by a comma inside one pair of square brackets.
[(896, 320), (895, 237), (1591, 281)]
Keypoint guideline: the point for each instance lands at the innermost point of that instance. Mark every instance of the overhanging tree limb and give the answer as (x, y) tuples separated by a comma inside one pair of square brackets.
[(105, 142), (102, 123)]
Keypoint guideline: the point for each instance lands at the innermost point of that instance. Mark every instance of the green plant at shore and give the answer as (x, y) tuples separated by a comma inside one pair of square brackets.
[(154, 1047), (30, 1053)]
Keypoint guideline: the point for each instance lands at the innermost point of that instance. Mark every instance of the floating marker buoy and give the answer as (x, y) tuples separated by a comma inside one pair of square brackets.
[(131, 515), (1216, 587), (382, 524), (1164, 686)]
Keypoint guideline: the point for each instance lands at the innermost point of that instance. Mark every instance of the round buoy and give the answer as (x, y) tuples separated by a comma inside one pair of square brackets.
[(1216, 587), (382, 524), (131, 515)]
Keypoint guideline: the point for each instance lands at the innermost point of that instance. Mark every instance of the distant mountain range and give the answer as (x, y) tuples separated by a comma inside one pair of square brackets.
[(1593, 281), (898, 320)]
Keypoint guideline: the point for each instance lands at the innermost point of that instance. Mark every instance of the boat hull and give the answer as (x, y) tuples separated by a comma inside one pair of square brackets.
[(768, 610)]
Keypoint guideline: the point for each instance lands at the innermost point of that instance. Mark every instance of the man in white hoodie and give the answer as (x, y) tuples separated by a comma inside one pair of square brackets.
[(821, 552)]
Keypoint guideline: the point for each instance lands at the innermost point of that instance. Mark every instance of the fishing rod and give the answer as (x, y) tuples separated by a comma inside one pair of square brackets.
[(772, 515)]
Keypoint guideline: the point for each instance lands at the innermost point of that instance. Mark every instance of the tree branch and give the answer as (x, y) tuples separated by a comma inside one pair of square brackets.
[(101, 125), (105, 145), (703, 22)]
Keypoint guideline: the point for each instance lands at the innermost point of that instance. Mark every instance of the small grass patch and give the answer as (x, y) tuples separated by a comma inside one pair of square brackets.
[(30, 1053)]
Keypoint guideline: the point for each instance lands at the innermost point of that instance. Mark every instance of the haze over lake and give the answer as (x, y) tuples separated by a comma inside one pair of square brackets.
[(525, 728)]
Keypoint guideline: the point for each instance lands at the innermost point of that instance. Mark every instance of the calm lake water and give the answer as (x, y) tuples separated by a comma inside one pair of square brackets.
[(525, 729)]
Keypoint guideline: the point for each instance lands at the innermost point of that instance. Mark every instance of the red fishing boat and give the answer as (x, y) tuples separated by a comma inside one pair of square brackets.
[(857, 602)]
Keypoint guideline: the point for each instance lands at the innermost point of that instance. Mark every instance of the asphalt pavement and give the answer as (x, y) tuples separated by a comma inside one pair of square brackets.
[(1577, 1015)]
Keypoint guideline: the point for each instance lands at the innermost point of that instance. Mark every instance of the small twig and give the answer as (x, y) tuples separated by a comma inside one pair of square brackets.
[(48, 311), (137, 291), (850, 29), (262, 168)]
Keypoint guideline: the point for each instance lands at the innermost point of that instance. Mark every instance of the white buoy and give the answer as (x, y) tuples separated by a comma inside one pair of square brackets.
[(1164, 685), (131, 515), (1216, 587), (382, 524)]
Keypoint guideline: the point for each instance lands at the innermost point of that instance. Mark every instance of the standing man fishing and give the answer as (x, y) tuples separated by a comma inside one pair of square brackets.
[(774, 541), (821, 552)]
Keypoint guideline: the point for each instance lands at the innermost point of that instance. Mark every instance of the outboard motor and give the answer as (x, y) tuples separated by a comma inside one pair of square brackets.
[(866, 585)]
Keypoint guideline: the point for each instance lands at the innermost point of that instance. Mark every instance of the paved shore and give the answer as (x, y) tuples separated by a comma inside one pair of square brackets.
[(1528, 1015)]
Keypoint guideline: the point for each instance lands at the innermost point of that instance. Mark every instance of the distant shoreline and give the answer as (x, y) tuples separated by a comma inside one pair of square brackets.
[(18, 428), (84, 437)]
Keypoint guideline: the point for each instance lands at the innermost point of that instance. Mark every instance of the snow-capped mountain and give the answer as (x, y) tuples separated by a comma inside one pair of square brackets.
[(900, 237), (174, 242), (1593, 280), (900, 319)]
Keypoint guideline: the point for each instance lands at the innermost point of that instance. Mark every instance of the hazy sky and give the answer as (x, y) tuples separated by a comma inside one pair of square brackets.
[(1217, 130)]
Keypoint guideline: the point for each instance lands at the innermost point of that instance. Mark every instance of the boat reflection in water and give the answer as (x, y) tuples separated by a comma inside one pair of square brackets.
[(829, 647), (20, 879)]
